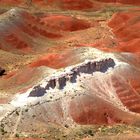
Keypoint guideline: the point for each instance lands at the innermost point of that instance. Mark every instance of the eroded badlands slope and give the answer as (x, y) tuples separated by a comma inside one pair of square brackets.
[(62, 67)]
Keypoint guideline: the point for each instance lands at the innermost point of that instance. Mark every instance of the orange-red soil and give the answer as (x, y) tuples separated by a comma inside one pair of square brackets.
[(51, 60), (135, 2), (65, 23), (126, 28)]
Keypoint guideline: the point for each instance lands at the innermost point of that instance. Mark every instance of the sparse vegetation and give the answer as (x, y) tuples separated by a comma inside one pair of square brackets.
[(17, 113), (79, 132), (17, 135), (82, 132), (82, 86), (2, 130), (26, 110)]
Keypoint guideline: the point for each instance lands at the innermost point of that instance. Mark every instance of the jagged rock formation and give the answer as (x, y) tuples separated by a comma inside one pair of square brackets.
[(70, 75)]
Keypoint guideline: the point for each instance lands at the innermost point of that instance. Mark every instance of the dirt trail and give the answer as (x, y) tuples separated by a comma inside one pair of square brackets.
[(17, 123)]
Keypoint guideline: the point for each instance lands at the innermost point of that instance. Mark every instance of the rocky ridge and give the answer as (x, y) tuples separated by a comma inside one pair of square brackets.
[(70, 75)]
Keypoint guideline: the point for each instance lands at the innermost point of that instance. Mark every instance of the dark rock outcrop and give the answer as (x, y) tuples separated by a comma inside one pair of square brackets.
[(2, 71), (39, 90), (60, 81)]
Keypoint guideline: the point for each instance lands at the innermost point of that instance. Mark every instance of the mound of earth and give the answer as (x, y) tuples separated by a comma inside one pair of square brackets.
[(65, 23)]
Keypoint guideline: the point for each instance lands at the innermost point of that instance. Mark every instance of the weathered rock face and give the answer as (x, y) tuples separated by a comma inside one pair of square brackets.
[(38, 90), (60, 81)]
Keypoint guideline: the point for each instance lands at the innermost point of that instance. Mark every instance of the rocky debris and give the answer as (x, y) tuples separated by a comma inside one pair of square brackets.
[(2, 71), (70, 74)]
